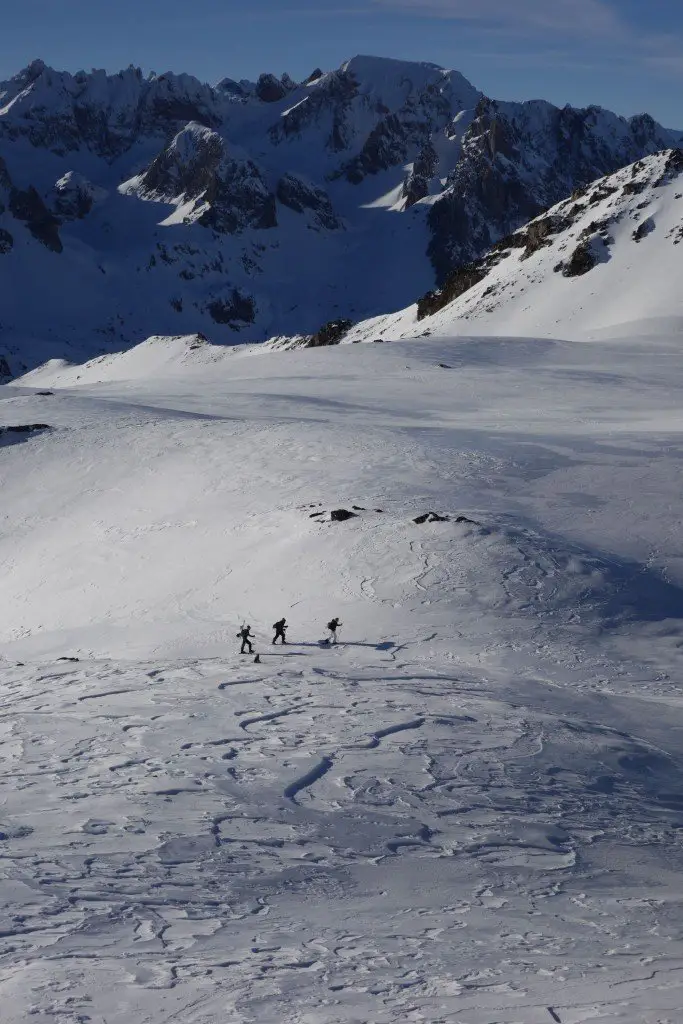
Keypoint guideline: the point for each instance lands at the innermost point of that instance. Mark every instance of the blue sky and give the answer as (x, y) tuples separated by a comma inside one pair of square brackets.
[(626, 55)]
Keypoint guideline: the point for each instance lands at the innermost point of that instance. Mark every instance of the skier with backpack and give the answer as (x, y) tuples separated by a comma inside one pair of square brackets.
[(280, 627), (333, 625), (245, 632)]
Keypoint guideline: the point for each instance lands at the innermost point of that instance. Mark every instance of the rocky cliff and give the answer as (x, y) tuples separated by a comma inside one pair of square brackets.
[(159, 204)]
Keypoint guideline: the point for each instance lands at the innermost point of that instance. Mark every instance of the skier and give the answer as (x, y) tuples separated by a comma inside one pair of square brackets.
[(280, 626), (333, 625), (245, 633)]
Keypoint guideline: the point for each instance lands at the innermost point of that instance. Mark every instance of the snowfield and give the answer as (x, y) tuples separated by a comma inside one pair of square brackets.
[(470, 810)]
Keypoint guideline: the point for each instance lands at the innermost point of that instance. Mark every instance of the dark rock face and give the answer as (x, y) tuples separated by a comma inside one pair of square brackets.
[(270, 89), (230, 87), (581, 261), (236, 311), (187, 167), (330, 334), (340, 515), (104, 113), (5, 180), (239, 198), (643, 230), (457, 283), (486, 197), (386, 145), (6, 242), (391, 140), (672, 168), (313, 77), (518, 160), (30, 208), (540, 232), (416, 185), (74, 196), (300, 196), (431, 517), (195, 166), (537, 235), (5, 371), (329, 103)]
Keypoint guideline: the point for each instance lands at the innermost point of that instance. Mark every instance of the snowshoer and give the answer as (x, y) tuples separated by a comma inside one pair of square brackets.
[(333, 625), (280, 627), (245, 633)]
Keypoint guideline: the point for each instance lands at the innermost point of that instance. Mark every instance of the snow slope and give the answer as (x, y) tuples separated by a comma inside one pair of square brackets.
[(469, 810), (135, 206), (607, 261)]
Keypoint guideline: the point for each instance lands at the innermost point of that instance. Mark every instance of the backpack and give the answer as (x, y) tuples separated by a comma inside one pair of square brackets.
[(332, 625)]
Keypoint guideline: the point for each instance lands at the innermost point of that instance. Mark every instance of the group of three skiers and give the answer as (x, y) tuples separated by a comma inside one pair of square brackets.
[(280, 628)]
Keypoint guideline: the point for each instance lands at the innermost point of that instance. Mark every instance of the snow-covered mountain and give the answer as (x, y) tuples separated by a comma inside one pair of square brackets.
[(134, 205), (609, 255)]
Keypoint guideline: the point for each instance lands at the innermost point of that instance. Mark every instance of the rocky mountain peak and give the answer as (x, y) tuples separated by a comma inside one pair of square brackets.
[(270, 89)]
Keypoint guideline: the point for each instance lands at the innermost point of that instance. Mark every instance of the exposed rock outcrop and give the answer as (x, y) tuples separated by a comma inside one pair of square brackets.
[(28, 207), (270, 89), (236, 311), (299, 195), (229, 194), (456, 284), (518, 159), (341, 515), (330, 333), (74, 196), (581, 261), (239, 198), (416, 185), (186, 168)]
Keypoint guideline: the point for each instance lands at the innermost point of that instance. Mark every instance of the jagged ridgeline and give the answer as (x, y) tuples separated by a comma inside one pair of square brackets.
[(162, 205)]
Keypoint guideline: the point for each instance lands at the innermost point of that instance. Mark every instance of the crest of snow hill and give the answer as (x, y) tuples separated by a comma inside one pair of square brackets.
[(161, 205)]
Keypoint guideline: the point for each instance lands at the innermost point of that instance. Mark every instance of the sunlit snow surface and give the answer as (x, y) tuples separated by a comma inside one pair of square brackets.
[(469, 811)]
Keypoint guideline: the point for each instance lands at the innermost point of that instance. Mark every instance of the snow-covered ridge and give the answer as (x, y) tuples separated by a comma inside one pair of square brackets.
[(162, 205), (610, 254), (151, 358)]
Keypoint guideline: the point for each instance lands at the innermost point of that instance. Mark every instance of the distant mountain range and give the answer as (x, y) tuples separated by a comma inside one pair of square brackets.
[(132, 206)]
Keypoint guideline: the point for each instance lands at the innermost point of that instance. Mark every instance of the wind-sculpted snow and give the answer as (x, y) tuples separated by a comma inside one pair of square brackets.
[(467, 810), (143, 204)]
